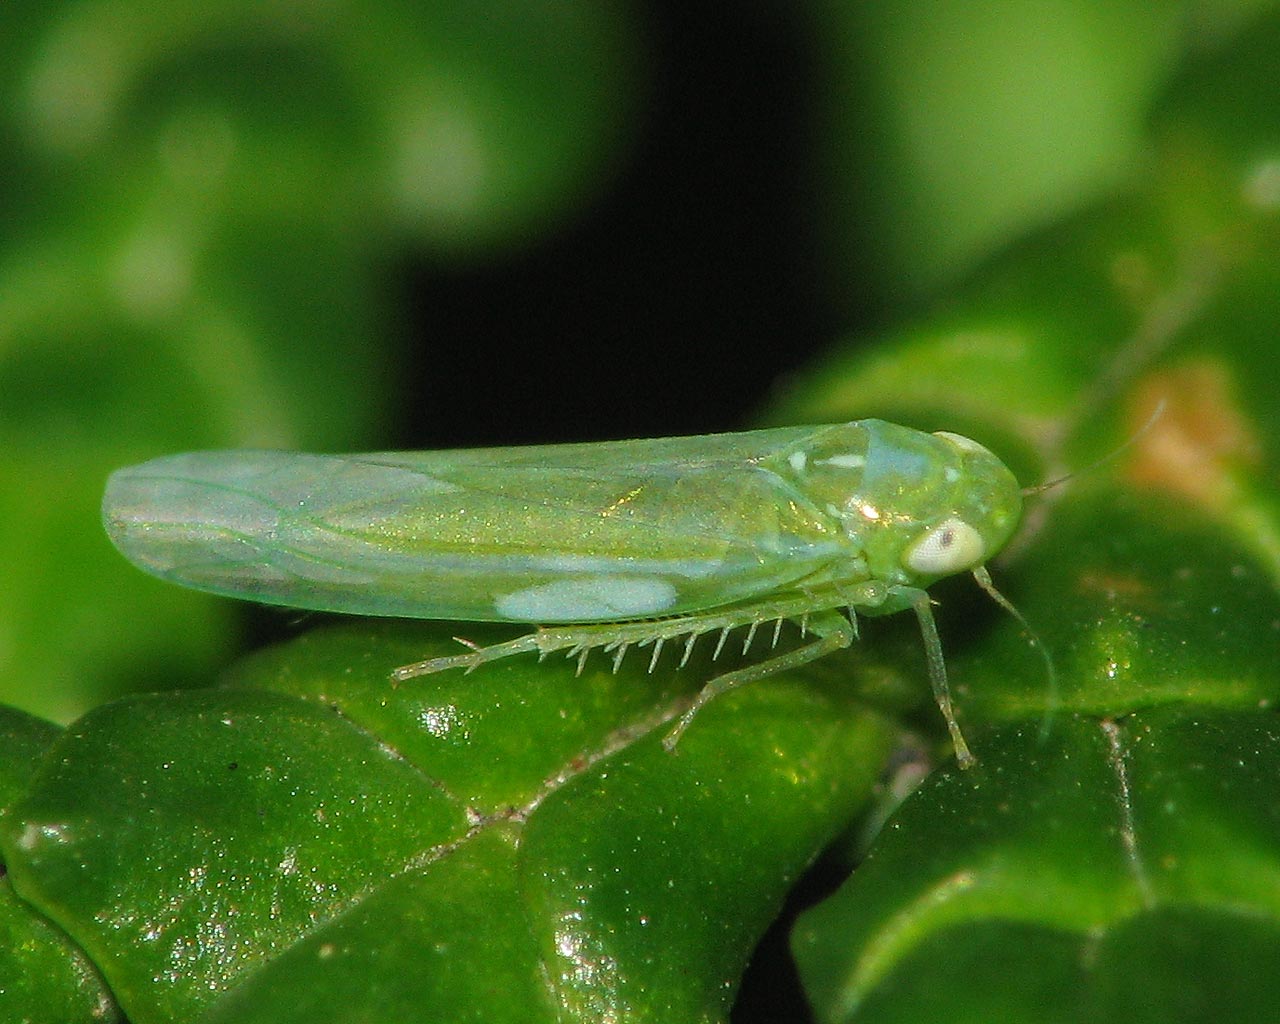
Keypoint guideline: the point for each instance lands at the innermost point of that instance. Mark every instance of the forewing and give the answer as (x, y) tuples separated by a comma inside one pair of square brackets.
[(546, 534)]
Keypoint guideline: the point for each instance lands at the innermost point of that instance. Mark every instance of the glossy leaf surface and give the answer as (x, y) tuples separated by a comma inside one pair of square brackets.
[(510, 845), (45, 978)]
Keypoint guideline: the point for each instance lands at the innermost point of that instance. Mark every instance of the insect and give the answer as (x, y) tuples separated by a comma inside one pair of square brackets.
[(609, 545)]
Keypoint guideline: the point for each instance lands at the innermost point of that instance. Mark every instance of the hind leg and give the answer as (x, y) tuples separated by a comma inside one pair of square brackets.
[(834, 632)]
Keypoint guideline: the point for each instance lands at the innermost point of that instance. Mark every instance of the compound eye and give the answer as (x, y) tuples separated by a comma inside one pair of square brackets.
[(949, 547)]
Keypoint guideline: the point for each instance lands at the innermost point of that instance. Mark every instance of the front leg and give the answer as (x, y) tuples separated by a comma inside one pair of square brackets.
[(920, 603)]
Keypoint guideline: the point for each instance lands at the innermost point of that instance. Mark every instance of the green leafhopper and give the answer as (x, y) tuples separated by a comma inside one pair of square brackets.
[(607, 545)]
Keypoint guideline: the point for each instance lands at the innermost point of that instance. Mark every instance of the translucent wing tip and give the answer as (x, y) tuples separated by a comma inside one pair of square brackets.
[(166, 513), (252, 524)]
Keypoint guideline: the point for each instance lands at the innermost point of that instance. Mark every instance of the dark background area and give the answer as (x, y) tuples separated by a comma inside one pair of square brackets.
[(675, 301)]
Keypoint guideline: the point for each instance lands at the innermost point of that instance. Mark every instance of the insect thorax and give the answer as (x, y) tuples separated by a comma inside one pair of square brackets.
[(917, 506)]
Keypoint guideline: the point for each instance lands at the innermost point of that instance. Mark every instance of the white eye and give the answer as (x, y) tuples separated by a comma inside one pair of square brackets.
[(950, 546)]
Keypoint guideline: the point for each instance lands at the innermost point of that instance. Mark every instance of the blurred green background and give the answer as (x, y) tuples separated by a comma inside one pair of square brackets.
[(416, 224)]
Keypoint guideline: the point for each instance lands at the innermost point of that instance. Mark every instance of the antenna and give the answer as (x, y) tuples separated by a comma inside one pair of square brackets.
[(1133, 438)]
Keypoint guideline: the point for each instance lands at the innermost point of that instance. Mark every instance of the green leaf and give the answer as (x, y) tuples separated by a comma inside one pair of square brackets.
[(514, 844), (1113, 871), (1116, 853), (952, 127), (44, 977)]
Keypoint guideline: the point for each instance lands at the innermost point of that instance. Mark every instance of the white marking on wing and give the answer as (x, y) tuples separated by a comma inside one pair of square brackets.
[(602, 565), (598, 597), (846, 461)]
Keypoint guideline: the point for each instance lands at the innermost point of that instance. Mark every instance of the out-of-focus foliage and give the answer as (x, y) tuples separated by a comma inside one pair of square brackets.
[(964, 124), (198, 201)]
